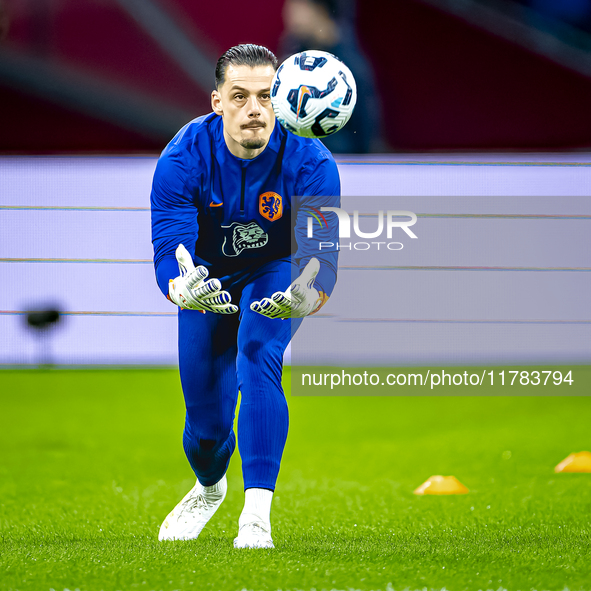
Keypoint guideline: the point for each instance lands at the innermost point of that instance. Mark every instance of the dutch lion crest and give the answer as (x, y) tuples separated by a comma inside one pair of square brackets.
[(271, 206), (241, 237)]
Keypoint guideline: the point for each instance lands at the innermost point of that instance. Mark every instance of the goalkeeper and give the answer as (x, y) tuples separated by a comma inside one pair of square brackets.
[(224, 214)]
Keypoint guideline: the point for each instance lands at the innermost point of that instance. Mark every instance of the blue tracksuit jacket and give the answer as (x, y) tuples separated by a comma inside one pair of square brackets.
[(234, 214)]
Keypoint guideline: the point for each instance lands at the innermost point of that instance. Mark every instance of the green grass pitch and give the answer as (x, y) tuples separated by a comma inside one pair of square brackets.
[(92, 461)]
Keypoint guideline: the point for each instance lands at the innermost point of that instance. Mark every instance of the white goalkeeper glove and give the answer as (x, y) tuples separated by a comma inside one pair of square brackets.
[(301, 298), (190, 290)]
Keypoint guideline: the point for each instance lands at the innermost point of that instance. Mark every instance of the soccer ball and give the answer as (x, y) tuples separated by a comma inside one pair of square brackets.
[(313, 94)]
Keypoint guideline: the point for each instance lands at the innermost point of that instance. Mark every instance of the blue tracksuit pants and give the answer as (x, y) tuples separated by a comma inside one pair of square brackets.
[(222, 354)]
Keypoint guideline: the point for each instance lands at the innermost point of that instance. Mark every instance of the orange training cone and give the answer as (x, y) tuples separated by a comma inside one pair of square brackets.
[(579, 462), (442, 485)]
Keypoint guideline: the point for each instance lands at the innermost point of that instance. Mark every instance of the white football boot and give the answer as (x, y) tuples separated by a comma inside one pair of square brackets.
[(253, 534), (190, 516)]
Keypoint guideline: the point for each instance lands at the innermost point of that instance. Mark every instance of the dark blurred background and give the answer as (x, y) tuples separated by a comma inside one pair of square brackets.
[(121, 76)]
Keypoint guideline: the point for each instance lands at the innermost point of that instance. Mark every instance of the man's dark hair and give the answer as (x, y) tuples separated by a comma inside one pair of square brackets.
[(246, 54)]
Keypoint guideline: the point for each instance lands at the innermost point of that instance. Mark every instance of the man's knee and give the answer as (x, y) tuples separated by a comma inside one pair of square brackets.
[(259, 359)]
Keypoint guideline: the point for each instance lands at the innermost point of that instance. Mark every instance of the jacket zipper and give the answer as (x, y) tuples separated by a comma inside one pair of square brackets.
[(242, 190)]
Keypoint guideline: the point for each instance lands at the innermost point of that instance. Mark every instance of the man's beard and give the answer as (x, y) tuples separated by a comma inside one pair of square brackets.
[(253, 143)]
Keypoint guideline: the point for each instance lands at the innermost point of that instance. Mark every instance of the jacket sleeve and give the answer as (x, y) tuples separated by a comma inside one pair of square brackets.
[(174, 216), (322, 188)]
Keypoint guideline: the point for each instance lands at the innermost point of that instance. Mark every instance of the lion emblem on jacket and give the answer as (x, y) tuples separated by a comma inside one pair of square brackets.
[(271, 206), (241, 237)]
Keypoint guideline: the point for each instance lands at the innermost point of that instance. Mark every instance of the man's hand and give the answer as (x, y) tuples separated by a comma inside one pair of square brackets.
[(300, 299), (190, 290)]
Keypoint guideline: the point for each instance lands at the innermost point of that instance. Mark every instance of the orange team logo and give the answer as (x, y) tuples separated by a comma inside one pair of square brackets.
[(304, 91), (271, 206)]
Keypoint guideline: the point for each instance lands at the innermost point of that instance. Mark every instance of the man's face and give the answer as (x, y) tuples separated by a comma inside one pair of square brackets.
[(244, 102)]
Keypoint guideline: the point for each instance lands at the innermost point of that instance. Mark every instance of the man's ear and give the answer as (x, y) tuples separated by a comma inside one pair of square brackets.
[(216, 103)]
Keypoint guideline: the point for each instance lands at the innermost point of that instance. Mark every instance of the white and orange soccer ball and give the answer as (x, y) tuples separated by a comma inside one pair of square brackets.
[(313, 94)]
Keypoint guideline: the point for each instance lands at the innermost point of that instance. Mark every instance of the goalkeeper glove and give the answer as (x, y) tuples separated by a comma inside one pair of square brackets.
[(191, 292), (301, 298)]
